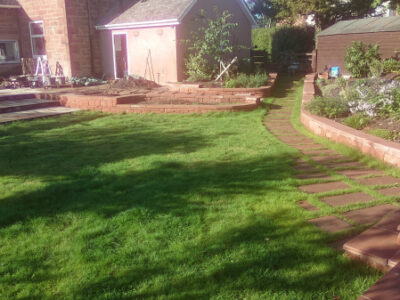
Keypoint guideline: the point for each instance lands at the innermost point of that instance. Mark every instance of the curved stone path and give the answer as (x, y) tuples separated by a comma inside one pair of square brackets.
[(331, 180)]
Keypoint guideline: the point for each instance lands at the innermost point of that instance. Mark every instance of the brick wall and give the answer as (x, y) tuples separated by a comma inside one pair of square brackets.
[(9, 24), (53, 13), (84, 41)]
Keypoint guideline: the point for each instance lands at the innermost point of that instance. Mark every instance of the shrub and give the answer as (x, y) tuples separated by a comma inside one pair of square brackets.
[(287, 41), (247, 81), (328, 107), (382, 133), (341, 82), (359, 58), (376, 68), (357, 121), (262, 38), (391, 65), (208, 45)]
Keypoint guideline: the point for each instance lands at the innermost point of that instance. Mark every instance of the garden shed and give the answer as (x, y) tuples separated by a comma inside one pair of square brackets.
[(145, 37), (333, 41)]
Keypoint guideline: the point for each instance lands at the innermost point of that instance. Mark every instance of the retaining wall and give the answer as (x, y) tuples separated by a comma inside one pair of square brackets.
[(387, 151), (214, 100)]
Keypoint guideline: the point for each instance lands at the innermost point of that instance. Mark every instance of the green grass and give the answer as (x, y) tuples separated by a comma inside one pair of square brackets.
[(98, 206)]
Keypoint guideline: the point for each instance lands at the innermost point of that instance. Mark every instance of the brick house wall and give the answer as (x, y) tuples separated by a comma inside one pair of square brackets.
[(53, 14), (70, 36), (9, 30)]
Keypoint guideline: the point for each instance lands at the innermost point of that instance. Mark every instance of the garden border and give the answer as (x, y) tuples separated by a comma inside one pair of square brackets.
[(248, 99), (387, 151)]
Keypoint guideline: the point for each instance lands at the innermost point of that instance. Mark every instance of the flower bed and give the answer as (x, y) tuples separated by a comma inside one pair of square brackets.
[(178, 98), (382, 149)]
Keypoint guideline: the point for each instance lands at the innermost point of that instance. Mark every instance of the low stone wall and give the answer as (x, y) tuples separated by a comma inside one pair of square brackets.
[(161, 101), (387, 151), (261, 92)]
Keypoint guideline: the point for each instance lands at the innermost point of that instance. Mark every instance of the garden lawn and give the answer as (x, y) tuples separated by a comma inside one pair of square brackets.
[(99, 206)]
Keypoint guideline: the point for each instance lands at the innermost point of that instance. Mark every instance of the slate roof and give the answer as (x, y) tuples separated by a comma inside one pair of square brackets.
[(9, 3), (367, 25), (141, 11)]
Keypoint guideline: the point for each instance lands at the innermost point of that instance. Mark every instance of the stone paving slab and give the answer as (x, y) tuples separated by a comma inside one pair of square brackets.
[(390, 222), (341, 200), (339, 158), (313, 175), (388, 288), (360, 173), (382, 180), (342, 165), (375, 245), (371, 214), (393, 191), (323, 187), (312, 146), (307, 205), (35, 113), (322, 152), (330, 224), (17, 103), (394, 260)]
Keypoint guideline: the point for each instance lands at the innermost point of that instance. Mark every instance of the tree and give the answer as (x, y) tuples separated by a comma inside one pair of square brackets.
[(325, 12), (209, 44)]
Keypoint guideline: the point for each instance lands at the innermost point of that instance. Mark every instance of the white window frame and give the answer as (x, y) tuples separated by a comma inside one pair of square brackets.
[(113, 49), (32, 36), (18, 60)]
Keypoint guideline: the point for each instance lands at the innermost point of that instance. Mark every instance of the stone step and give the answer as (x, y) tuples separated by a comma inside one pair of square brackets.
[(16, 97), (378, 245), (7, 106), (388, 288), (35, 114)]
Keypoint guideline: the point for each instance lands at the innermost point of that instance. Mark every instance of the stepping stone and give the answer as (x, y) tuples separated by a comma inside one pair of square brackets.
[(338, 245), (311, 146), (338, 158), (330, 224), (394, 260), (390, 222), (371, 214), (342, 165), (393, 191), (360, 173), (307, 205), (382, 180), (317, 175), (341, 200), (323, 187), (322, 152), (375, 245), (388, 288)]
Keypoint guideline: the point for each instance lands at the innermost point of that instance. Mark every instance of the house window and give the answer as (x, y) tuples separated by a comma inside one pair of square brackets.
[(36, 29), (9, 52)]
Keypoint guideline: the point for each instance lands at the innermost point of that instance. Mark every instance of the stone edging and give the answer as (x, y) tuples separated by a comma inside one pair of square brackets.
[(248, 99), (387, 151)]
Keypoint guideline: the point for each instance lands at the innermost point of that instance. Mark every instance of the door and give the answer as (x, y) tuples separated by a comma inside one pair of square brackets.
[(120, 46)]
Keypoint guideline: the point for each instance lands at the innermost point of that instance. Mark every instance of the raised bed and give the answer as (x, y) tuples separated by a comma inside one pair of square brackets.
[(196, 100), (387, 151)]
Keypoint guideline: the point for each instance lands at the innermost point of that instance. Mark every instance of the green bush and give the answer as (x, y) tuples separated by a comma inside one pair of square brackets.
[(209, 44), (262, 38), (341, 82), (247, 81), (289, 40), (376, 68), (382, 133), (391, 65), (357, 121), (328, 107), (359, 58)]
